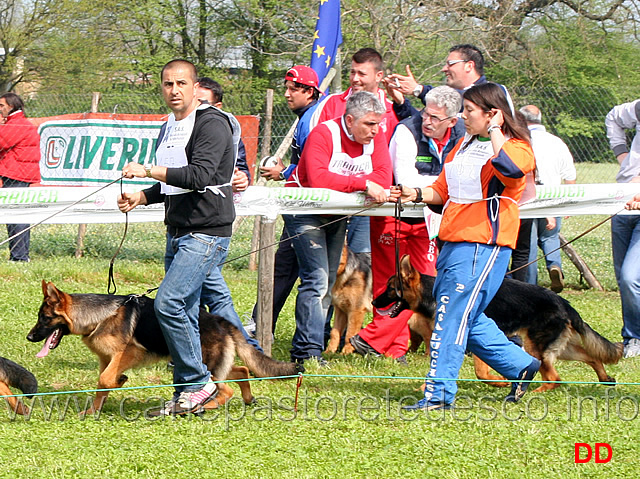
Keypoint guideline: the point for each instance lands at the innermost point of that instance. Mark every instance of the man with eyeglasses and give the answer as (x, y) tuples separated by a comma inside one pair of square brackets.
[(417, 148), (463, 68)]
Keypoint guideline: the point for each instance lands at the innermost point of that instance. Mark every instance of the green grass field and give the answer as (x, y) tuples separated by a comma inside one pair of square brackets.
[(349, 422)]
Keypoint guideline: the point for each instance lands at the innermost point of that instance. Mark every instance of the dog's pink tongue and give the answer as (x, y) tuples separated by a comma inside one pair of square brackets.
[(45, 349)]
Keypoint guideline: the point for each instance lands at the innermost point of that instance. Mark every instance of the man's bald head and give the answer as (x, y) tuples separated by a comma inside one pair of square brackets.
[(532, 114)]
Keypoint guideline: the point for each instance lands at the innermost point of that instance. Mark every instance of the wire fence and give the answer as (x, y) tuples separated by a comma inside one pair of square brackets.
[(574, 114)]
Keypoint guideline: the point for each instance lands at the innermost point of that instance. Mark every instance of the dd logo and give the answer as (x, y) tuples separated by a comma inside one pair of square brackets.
[(589, 452)]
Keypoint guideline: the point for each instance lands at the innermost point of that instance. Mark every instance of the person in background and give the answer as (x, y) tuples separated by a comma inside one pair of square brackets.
[(367, 71), (463, 68), (554, 165), (625, 229), (210, 91), (418, 149), (480, 186), (19, 164), (302, 92), (345, 154)]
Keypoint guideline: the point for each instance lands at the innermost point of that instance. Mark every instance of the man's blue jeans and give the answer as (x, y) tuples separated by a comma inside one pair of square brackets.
[(548, 240), (625, 244), (217, 297), (215, 292), (318, 251), (188, 261)]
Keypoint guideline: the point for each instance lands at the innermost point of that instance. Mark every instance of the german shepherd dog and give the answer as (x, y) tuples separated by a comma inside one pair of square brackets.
[(550, 327), (351, 298), (15, 376), (123, 332)]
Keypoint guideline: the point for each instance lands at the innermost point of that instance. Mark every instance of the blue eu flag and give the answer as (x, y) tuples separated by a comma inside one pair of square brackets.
[(327, 37)]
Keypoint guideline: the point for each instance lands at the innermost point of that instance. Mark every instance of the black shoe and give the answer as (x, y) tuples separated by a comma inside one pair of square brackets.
[(424, 405), (362, 347), (519, 388), (402, 360), (557, 279), (300, 362)]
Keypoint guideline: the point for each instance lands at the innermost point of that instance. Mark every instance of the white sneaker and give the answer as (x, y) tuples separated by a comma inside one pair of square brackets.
[(191, 402), (249, 324), (632, 348)]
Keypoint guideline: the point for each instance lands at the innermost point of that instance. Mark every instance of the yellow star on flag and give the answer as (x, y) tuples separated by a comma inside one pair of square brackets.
[(328, 62), (315, 35), (322, 2), (319, 51)]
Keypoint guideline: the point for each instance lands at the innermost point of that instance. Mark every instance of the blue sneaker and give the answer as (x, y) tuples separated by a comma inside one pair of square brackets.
[(519, 388), (424, 405)]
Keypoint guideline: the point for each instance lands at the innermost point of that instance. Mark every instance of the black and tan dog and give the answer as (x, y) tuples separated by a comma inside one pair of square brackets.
[(351, 298), (15, 376), (550, 327), (123, 332)]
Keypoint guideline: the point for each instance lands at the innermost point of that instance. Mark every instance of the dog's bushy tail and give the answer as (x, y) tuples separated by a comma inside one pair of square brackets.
[(260, 364), (598, 347), (17, 376)]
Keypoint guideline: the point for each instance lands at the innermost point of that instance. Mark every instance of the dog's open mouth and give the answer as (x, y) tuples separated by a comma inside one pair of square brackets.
[(393, 310), (51, 343)]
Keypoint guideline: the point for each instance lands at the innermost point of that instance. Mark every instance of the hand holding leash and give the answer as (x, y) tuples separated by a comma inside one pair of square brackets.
[(633, 203), (128, 201)]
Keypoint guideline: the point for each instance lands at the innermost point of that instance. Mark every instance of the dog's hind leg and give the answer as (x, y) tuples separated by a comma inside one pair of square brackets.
[(15, 403), (574, 352), (237, 373), (483, 372), (339, 325)]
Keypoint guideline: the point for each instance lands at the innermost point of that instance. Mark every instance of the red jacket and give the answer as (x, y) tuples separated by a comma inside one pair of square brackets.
[(19, 149), (313, 168)]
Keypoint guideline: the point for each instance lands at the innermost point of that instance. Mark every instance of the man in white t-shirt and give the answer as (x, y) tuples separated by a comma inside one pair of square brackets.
[(554, 165)]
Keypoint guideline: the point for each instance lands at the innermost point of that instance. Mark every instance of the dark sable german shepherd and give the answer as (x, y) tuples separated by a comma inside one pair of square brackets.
[(123, 332), (550, 327), (14, 375), (351, 297)]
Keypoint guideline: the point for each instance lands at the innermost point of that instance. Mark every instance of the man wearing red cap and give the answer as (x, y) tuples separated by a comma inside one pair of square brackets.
[(302, 94)]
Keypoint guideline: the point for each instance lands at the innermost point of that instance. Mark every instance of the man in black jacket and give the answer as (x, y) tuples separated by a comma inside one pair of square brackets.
[(195, 165)]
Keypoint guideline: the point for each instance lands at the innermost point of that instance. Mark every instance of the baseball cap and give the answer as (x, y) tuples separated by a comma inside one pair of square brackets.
[(303, 75)]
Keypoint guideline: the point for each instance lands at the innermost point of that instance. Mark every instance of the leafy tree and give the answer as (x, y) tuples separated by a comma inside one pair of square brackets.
[(22, 23)]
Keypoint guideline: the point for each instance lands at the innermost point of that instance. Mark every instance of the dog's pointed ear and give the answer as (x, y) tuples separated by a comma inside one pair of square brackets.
[(406, 269), (50, 291)]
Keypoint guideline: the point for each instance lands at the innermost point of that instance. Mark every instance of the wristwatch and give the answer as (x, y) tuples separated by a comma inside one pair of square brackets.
[(147, 170), (417, 90)]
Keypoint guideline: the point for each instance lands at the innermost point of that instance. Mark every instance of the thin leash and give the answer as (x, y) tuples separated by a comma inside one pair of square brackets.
[(111, 279), (315, 228), (150, 290), (60, 211), (397, 214), (566, 243)]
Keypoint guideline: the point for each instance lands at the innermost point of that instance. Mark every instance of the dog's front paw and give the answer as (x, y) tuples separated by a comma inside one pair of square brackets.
[(348, 349)]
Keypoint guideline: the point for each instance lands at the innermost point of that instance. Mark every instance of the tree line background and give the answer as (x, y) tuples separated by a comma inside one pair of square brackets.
[(575, 59)]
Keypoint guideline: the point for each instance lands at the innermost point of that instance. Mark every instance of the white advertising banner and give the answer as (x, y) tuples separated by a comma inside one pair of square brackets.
[(98, 205), (88, 152)]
